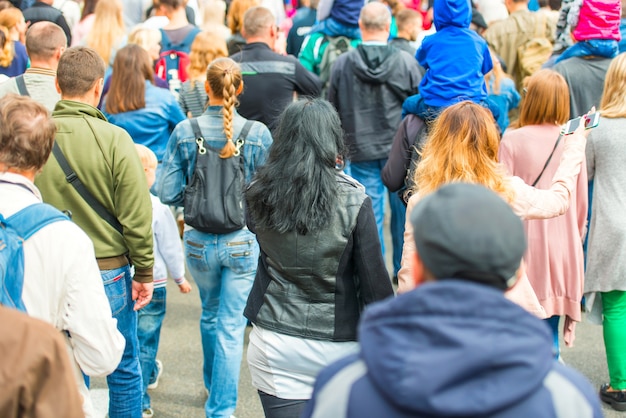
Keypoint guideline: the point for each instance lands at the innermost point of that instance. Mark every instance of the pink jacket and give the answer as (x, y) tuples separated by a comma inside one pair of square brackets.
[(530, 203), (598, 19)]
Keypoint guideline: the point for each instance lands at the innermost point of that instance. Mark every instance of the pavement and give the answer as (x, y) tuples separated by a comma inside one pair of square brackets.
[(181, 393)]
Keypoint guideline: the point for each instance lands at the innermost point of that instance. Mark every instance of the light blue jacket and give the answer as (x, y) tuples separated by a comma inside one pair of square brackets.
[(179, 160), (152, 125)]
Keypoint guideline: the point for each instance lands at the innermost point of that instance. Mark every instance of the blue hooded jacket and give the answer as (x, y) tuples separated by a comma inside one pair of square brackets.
[(456, 58), (452, 348)]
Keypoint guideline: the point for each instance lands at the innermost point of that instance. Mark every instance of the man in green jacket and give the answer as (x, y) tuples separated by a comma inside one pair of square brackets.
[(113, 207)]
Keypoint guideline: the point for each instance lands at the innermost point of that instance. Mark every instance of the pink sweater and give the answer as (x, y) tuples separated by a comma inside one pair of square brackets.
[(598, 19)]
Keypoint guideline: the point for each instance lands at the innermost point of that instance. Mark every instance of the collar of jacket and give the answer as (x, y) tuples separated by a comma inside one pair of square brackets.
[(73, 108)]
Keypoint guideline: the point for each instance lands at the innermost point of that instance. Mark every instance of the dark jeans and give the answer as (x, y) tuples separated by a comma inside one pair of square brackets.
[(274, 407)]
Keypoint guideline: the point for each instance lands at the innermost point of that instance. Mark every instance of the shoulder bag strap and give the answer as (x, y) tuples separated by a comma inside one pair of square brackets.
[(245, 130), (196, 128), (72, 178), (21, 85), (548, 161)]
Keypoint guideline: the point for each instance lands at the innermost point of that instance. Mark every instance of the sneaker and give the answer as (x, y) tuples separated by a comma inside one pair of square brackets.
[(148, 413), (617, 399), (155, 383)]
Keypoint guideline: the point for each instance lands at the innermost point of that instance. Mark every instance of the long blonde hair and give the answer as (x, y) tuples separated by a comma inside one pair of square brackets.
[(7, 53), (462, 147), (108, 28), (613, 103), (206, 47), (224, 78)]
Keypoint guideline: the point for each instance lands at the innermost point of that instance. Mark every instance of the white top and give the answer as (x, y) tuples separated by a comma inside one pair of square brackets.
[(286, 366), (63, 286), (168, 250)]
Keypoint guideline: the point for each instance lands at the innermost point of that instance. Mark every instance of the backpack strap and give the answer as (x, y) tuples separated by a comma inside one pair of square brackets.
[(245, 130), (72, 178), (197, 133), (166, 44), (34, 217), (21, 85)]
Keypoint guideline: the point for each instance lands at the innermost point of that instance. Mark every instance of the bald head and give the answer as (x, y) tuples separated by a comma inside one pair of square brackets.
[(45, 42), (257, 21), (374, 21)]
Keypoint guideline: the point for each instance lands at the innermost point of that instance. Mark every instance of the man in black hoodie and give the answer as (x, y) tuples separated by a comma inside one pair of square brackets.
[(367, 87)]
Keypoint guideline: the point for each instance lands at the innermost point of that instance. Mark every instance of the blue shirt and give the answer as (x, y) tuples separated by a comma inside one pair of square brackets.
[(179, 161), (152, 125), (19, 63)]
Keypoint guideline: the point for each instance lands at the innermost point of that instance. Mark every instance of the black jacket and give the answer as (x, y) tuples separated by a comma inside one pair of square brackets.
[(42, 12), (368, 86), (316, 285), (270, 80)]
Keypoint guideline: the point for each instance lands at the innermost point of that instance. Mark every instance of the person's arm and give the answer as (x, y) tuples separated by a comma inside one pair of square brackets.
[(405, 274), (175, 114), (370, 270), (395, 170), (582, 202), (168, 242), (590, 157), (97, 344), (323, 9), (487, 62), (177, 162), (133, 206), (307, 83), (532, 203)]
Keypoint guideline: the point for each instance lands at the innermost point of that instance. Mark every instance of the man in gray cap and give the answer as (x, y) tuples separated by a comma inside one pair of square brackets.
[(455, 346)]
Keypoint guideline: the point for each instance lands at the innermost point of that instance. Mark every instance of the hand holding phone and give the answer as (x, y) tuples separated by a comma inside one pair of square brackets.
[(590, 120)]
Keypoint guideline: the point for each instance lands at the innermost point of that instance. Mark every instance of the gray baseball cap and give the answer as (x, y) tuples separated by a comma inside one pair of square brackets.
[(466, 231)]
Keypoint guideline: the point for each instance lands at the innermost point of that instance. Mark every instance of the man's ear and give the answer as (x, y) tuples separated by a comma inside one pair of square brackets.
[(56, 84), (418, 270)]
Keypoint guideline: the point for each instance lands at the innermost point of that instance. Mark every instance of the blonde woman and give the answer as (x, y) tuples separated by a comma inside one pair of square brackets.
[(205, 48), (605, 279), (84, 25), (213, 18), (463, 147), (150, 40), (554, 258), (13, 56), (222, 265), (234, 18), (108, 33)]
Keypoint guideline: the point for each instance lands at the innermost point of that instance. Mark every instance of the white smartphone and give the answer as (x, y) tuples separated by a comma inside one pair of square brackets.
[(591, 121)]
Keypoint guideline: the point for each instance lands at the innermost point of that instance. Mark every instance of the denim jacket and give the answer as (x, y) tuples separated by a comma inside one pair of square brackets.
[(180, 156)]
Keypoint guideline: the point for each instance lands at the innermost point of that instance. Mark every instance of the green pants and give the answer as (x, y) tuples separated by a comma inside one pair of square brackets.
[(614, 328)]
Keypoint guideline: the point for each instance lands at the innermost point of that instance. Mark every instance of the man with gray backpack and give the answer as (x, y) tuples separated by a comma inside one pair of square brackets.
[(47, 263)]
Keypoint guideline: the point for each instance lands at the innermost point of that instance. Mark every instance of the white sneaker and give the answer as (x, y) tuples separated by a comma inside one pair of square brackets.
[(148, 413), (159, 367)]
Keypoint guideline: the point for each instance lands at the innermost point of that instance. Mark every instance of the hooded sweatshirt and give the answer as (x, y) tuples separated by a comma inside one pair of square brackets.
[(456, 58), (452, 349)]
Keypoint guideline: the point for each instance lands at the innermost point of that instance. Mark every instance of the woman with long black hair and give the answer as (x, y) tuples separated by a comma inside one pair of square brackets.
[(320, 261)]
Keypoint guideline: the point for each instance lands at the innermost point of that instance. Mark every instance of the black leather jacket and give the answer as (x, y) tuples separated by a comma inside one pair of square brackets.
[(316, 285)]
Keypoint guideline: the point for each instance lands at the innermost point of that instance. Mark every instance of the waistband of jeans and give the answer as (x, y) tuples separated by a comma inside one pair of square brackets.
[(110, 263)]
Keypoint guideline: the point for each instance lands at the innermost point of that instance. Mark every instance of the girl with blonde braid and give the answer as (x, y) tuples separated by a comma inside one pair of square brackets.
[(222, 265)]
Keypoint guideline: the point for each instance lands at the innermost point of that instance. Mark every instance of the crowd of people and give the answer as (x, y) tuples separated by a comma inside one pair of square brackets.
[(253, 150)]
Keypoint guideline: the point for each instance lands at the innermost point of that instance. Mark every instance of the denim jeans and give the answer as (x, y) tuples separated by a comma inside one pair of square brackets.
[(149, 321), (599, 47), (223, 267), (125, 382), (368, 174)]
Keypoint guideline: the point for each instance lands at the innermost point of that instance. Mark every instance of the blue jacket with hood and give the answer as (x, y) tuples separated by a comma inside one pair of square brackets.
[(456, 58), (452, 348)]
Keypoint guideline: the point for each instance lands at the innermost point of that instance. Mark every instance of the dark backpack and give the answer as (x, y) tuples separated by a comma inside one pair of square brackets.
[(14, 231), (174, 60), (337, 46), (214, 199)]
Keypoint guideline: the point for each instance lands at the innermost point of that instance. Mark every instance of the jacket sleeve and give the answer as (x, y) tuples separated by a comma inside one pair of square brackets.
[(590, 157), (133, 207), (532, 203), (168, 242), (370, 269), (582, 203), (307, 83), (172, 178), (395, 170), (86, 313), (487, 62), (175, 114)]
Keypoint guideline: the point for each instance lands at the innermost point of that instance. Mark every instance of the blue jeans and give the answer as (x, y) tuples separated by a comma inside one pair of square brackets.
[(368, 174), (600, 47), (331, 27), (223, 267), (125, 382), (417, 106), (150, 319)]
